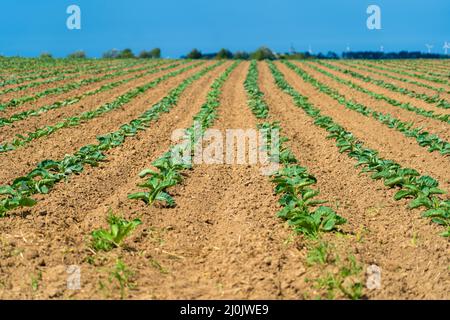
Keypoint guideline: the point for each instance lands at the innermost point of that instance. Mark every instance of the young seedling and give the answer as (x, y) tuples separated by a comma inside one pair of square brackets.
[(35, 281), (345, 281), (167, 176), (319, 254), (13, 200), (298, 201), (122, 274), (119, 229)]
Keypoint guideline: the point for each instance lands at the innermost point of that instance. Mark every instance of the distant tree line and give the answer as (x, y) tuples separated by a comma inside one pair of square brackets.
[(128, 54), (392, 55), (80, 54), (266, 53), (112, 54), (262, 53)]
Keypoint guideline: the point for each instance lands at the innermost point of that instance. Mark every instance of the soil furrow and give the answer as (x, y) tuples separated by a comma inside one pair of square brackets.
[(84, 75), (85, 104), (67, 215), (390, 143), (385, 233), (398, 83), (434, 126), (49, 99), (68, 140), (233, 244), (386, 92), (65, 72), (376, 66), (419, 70)]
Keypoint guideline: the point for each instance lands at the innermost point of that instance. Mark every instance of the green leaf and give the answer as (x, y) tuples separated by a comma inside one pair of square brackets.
[(146, 172), (419, 202), (7, 190), (140, 196), (401, 194), (165, 197), (27, 202)]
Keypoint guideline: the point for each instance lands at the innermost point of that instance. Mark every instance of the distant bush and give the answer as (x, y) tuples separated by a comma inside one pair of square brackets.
[(77, 55), (126, 54), (224, 54), (194, 54), (153, 54), (156, 53), (111, 54), (241, 55), (46, 55), (263, 53), (145, 55), (332, 55)]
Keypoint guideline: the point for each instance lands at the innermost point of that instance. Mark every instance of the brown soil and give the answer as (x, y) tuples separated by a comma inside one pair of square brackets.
[(388, 93), (231, 246), (68, 140), (437, 127), (431, 83), (46, 100), (32, 91), (422, 70), (30, 124), (223, 239), (375, 135), (62, 69), (75, 77), (63, 218), (398, 83), (413, 258)]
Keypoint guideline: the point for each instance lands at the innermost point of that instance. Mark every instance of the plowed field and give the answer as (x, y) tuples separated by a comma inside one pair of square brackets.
[(371, 140)]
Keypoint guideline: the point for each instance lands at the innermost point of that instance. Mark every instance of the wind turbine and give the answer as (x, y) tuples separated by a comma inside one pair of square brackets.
[(446, 47), (292, 49), (429, 46)]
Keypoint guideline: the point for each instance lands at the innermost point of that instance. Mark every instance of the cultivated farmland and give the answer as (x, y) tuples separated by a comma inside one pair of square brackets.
[(93, 204)]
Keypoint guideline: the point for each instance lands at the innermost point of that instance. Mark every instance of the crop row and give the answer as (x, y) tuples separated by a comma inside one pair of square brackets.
[(407, 106), (406, 80), (435, 67), (292, 182), (73, 121), (42, 74), (414, 75), (49, 172), (423, 191), (71, 100), (60, 90), (17, 65), (440, 102), (68, 76), (300, 207), (170, 164), (425, 139), (415, 67), (21, 64)]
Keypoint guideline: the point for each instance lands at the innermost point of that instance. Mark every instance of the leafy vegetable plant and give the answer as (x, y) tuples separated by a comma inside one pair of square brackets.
[(119, 229)]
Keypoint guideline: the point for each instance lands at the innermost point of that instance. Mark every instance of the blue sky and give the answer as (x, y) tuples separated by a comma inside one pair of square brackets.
[(29, 27)]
